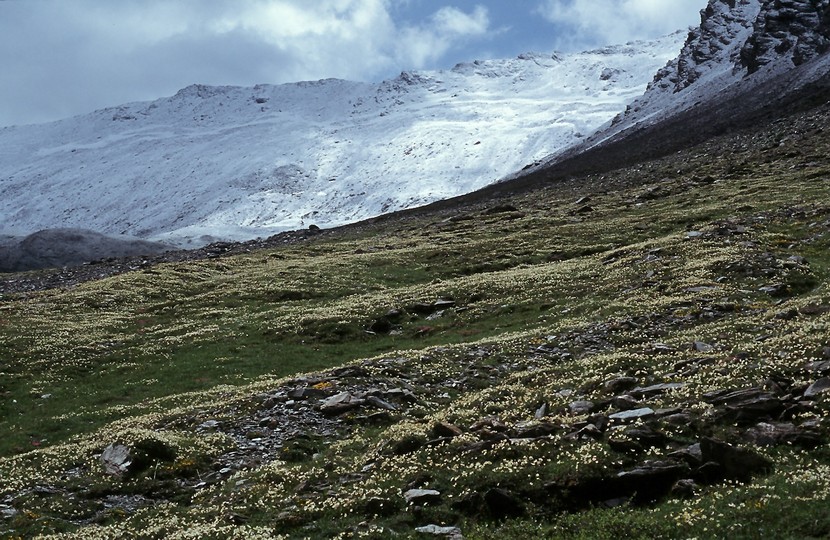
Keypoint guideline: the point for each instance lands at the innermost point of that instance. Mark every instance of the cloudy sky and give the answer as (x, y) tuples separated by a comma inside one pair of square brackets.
[(65, 57)]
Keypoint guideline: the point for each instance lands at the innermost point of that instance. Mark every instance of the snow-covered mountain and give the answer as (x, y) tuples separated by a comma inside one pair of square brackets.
[(235, 163)]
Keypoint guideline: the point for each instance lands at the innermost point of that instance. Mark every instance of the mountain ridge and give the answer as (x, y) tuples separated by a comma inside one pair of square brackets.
[(215, 163)]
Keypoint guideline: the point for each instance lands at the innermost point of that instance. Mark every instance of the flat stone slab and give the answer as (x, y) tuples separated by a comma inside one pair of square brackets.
[(634, 414), (817, 388), (437, 530), (422, 496)]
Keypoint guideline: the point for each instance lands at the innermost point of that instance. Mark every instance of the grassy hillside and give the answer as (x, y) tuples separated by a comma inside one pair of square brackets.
[(642, 354)]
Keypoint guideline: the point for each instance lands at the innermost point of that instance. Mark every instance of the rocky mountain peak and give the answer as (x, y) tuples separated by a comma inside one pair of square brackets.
[(724, 28), (735, 39), (745, 35), (797, 29)]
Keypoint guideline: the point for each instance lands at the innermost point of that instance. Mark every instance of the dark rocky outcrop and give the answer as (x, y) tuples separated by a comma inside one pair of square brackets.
[(721, 24), (54, 248), (798, 29)]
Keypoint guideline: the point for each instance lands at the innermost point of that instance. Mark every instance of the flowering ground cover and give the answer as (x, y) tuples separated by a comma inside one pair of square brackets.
[(639, 354)]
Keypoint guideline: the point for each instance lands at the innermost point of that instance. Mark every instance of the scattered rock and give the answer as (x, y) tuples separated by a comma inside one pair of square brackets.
[(817, 388), (691, 455), (787, 315), (453, 533), (305, 392), (340, 403), (8, 512), (445, 429), (747, 405), (814, 309), (662, 348), (685, 488), (116, 459), (820, 367), (590, 431), (647, 436), (635, 414), (490, 423), (700, 346), (581, 407), (701, 289), (776, 290), (626, 402), (645, 484), (380, 326), (502, 504), (655, 389), (731, 463), (678, 419), (773, 434), (380, 404), (621, 384), (119, 459), (501, 209), (421, 497), (377, 506), (443, 303), (650, 482), (407, 445), (636, 439)]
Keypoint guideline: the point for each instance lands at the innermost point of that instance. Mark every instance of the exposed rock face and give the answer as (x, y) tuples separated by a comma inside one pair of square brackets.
[(735, 39), (745, 35), (715, 44), (746, 59), (797, 29)]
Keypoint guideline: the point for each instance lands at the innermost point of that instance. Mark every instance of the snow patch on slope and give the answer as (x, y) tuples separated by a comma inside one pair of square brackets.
[(236, 163)]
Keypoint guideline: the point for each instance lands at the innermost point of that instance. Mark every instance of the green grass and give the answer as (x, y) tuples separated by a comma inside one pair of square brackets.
[(145, 358)]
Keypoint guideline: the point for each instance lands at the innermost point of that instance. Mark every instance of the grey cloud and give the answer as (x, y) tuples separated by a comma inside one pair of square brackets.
[(585, 22), (66, 58), (60, 61), (62, 58)]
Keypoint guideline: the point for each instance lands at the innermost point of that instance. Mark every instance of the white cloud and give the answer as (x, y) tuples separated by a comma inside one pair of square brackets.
[(325, 38), (450, 20), (72, 57), (618, 21), (421, 45)]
